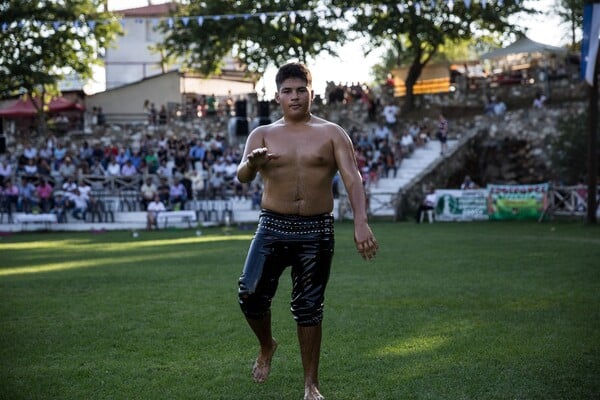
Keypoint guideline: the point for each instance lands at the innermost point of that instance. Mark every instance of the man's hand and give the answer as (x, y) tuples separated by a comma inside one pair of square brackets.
[(365, 241), (259, 157)]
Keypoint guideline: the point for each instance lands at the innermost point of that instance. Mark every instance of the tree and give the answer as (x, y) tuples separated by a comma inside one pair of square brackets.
[(417, 30), (569, 150), (257, 34), (571, 14), (42, 41)]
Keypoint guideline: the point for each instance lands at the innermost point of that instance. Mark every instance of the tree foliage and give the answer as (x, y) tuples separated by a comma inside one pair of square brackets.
[(418, 30), (570, 13), (41, 41), (256, 33), (569, 149)]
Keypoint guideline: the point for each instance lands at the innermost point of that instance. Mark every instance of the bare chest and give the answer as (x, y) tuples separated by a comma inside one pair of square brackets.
[(302, 151)]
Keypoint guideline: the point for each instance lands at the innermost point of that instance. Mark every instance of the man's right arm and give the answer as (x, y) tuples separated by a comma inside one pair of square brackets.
[(247, 169)]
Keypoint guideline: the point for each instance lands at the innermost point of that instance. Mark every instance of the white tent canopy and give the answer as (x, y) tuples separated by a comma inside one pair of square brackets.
[(524, 45)]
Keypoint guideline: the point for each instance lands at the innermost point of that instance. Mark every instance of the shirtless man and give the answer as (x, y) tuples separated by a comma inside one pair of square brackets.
[(297, 158)]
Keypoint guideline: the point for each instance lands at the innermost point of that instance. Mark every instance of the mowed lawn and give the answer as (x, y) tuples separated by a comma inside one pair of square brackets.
[(486, 310)]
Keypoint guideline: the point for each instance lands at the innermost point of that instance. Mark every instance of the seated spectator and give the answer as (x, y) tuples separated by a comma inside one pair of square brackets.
[(407, 144), (155, 206), (152, 164), (60, 153), (216, 186), (69, 185), (468, 183), (97, 169), (197, 183), (59, 206), (27, 196), (44, 195), (11, 192), (31, 168), (164, 169), (128, 169), (79, 202), (113, 168), (539, 101), (427, 204), (177, 195), (43, 167), (163, 190), (6, 170), (499, 108), (148, 191), (67, 168)]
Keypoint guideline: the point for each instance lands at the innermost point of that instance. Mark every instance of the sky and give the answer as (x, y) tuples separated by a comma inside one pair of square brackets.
[(353, 66)]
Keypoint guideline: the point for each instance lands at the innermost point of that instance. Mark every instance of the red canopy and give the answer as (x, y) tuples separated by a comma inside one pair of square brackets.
[(25, 108)]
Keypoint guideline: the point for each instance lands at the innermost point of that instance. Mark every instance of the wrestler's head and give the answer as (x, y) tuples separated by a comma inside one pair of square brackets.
[(293, 70)]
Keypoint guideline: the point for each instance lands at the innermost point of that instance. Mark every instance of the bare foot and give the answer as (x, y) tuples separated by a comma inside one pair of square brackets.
[(262, 365), (312, 393)]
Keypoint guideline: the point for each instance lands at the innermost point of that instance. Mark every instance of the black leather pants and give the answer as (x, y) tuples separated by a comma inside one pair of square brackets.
[(304, 243)]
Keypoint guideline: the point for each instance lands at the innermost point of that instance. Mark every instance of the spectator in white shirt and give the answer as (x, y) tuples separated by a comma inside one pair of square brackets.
[(154, 208), (6, 170), (113, 168)]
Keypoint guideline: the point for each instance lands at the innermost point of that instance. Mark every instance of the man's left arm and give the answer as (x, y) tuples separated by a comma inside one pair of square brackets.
[(346, 162)]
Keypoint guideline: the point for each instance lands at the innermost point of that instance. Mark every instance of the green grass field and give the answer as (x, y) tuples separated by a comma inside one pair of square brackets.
[(492, 310)]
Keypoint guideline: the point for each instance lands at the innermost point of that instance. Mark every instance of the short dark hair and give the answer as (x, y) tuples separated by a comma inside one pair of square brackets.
[(293, 70)]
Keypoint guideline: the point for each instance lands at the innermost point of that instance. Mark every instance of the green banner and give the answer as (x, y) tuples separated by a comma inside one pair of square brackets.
[(461, 205), (517, 201)]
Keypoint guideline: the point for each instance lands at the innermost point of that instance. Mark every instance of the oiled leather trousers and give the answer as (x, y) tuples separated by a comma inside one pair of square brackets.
[(304, 243)]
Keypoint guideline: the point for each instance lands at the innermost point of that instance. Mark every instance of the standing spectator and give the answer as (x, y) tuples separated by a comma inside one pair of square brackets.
[(162, 115), (153, 115), (101, 118), (211, 106), (390, 113), (442, 133)]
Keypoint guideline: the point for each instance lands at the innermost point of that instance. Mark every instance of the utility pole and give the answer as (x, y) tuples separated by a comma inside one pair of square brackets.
[(592, 183)]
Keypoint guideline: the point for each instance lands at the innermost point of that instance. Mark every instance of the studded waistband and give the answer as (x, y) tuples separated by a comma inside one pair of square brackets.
[(294, 224)]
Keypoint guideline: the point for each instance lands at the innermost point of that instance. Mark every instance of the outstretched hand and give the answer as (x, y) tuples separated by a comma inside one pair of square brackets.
[(259, 157), (366, 244)]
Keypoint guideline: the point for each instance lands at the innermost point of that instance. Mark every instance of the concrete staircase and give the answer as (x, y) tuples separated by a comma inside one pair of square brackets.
[(382, 194)]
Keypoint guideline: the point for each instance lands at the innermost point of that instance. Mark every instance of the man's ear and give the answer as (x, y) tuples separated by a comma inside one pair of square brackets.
[(277, 97)]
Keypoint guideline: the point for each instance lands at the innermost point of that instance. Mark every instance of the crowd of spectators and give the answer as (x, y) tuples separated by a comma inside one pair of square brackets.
[(69, 178), (53, 177)]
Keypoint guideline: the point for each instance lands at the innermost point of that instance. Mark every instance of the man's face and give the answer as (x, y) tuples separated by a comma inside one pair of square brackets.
[(295, 97)]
